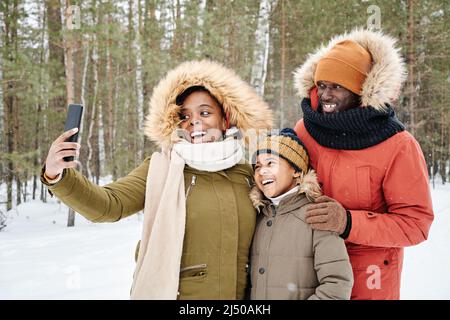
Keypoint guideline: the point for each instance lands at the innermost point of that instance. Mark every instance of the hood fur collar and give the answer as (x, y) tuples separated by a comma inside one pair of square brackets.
[(245, 107), (383, 82), (308, 185)]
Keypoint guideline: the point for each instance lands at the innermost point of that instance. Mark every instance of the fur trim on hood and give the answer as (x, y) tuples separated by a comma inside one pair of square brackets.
[(245, 107), (385, 79), (308, 185)]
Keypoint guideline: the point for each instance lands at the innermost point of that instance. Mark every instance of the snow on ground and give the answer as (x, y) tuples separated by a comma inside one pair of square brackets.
[(426, 268), (40, 258)]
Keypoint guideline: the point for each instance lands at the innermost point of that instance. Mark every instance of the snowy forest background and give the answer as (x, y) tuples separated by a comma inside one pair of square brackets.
[(108, 56)]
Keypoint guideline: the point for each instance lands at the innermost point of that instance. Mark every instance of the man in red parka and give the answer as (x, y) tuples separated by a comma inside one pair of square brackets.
[(372, 171)]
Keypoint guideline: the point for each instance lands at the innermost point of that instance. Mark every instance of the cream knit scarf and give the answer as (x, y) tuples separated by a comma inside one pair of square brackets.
[(211, 157), (158, 266)]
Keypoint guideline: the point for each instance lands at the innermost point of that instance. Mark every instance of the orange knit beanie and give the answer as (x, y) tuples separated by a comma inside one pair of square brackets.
[(346, 64)]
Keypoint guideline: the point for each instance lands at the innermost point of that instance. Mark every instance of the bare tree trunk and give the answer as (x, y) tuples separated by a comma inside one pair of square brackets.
[(18, 188), (16, 133), (138, 80), (283, 63), (88, 110), (95, 138), (9, 53), (70, 75), (37, 156), (411, 62), (442, 167), (43, 195), (132, 101), (92, 137), (176, 41), (109, 128), (8, 102), (149, 18), (207, 37), (231, 41), (150, 39), (58, 100), (39, 118), (201, 21), (25, 186), (261, 53), (70, 91), (102, 96)]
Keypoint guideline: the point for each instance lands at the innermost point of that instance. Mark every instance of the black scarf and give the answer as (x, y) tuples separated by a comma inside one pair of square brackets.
[(353, 129)]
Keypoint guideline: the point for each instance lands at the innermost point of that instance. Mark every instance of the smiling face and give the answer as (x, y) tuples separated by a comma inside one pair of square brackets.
[(334, 98), (202, 118), (274, 175)]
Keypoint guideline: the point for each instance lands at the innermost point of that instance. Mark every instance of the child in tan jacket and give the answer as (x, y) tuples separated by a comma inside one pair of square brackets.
[(290, 260)]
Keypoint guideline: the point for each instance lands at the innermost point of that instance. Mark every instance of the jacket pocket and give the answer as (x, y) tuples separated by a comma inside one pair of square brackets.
[(194, 271), (193, 282), (375, 272), (363, 188)]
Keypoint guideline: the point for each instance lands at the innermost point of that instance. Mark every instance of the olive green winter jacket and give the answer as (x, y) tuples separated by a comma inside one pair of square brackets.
[(220, 221)]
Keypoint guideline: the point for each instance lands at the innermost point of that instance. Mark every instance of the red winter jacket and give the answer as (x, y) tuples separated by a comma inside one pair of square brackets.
[(385, 188)]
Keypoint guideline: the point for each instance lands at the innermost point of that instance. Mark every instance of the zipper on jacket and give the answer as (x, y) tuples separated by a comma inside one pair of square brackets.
[(197, 266), (194, 178), (193, 271)]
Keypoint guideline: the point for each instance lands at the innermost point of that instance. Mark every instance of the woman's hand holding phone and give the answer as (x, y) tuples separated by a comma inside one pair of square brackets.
[(55, 164)]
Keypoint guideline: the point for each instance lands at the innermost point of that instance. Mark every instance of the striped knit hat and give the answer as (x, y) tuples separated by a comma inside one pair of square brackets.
[(288, 146)]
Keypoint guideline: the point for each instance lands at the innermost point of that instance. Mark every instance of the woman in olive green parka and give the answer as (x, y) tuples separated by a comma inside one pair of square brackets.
[(198, 219)]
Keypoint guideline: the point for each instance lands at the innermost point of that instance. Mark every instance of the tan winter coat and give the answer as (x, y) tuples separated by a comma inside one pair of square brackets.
[(290, 260)]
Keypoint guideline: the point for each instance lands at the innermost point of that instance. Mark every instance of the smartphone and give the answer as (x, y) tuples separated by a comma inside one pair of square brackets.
[(73, 120)]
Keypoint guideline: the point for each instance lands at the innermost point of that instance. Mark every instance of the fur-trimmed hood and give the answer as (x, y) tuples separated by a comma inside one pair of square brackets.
[(384, 81), (308, 185), (246, 109)]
